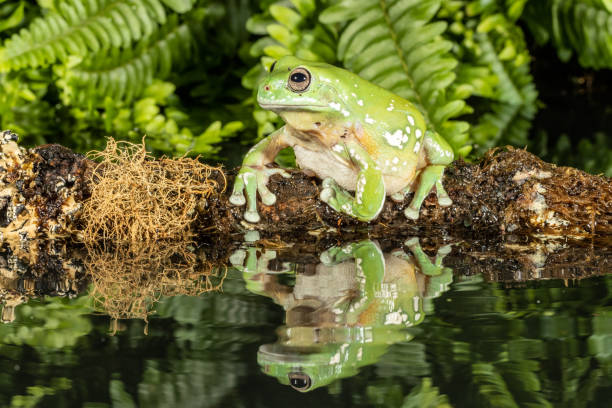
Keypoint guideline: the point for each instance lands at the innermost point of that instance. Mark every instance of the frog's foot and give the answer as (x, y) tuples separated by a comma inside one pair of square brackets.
[(336, 197), (367, 203), (411, 213), (412, 242), (237, 258), (251, 180), (337, 254), (399, 196), (443, 198)]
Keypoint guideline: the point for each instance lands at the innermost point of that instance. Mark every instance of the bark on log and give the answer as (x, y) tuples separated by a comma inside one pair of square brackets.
[(510, 191)]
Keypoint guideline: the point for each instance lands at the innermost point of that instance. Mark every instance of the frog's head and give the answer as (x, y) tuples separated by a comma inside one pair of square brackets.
[(306, 368), (296, 85)]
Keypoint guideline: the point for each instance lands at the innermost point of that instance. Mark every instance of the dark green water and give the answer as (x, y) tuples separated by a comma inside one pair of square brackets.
[(468, 343)]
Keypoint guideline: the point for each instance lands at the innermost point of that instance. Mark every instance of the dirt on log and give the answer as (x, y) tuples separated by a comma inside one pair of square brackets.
[(510, 191)]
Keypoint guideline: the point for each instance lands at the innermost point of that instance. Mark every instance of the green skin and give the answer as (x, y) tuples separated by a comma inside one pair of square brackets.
[(349, 132), (331, 334)]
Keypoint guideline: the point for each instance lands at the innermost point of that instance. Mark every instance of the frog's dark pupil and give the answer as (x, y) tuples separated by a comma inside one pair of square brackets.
[(298, 77), (299, 383), (272, 66)]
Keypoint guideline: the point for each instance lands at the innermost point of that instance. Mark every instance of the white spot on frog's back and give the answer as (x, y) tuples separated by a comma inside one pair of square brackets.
[(418, 133), (390, 107), (369, 120), (417, 146), (394, 139), (410, 119), (360, 102)]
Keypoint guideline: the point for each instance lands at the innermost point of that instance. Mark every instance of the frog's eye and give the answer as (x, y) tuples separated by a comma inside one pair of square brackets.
[(299, 80), (272, 66), (300, 381)]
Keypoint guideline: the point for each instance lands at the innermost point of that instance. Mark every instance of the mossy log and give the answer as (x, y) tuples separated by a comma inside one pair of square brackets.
[(44, 192)]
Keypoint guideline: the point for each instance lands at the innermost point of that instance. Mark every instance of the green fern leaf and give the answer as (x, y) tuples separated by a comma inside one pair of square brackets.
[(514, 102), (124, 74), (79, 27), (395, 44), (583, 27)]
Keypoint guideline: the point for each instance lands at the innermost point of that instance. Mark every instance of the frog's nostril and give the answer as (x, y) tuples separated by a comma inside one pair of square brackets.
[(267, 87)]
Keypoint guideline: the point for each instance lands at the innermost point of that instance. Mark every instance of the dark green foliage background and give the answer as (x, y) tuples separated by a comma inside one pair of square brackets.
[(484, 73)]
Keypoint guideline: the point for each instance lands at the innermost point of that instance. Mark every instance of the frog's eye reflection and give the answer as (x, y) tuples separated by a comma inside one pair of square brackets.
[(300, 381), (272, 66), (299, 80)]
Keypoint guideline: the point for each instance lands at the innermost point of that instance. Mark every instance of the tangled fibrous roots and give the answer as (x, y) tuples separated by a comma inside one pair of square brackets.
[(137, 229), (137, 198)]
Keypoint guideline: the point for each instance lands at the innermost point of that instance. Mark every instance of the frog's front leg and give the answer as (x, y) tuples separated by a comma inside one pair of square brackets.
[(254, 175), (369, 191), (439, 155)]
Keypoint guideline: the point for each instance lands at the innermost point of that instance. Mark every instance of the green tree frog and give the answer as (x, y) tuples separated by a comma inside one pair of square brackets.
[(352, 134)]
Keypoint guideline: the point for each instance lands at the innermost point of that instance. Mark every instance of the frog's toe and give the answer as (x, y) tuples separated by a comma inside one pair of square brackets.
[(237, 199), (445, 250), (326, 258), (412, 241), (252, 216), (397, 197), (237, 258), (267, 197), (445, 201), (327, 194), (282, 172), (411, 213), (329, 183)]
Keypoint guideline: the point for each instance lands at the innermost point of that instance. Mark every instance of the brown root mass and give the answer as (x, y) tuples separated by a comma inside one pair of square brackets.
[(136, 198)]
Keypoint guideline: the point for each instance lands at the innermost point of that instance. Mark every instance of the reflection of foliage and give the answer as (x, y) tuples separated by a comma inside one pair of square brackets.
[(520, 347), (37, 392), (544, 343), (427, 396), (53, 323)]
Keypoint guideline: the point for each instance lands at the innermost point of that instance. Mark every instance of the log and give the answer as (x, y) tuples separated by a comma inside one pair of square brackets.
[(45, 191)]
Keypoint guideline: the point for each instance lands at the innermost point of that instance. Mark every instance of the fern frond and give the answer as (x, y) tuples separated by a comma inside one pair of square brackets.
[(394, 44), (514, 104), (79, 27), (583, 27), (124, 74)]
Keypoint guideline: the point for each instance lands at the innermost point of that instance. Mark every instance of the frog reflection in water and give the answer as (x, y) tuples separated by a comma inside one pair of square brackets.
[(349, 132), (343, 313)]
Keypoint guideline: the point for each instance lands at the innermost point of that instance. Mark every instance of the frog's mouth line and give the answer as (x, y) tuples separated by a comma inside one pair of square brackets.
[(271, 106)]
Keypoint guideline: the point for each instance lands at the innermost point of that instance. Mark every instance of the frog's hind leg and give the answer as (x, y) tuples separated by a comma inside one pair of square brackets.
[(439, 155)]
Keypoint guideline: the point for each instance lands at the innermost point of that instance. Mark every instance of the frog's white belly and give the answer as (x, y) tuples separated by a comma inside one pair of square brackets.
[(326, 164)]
